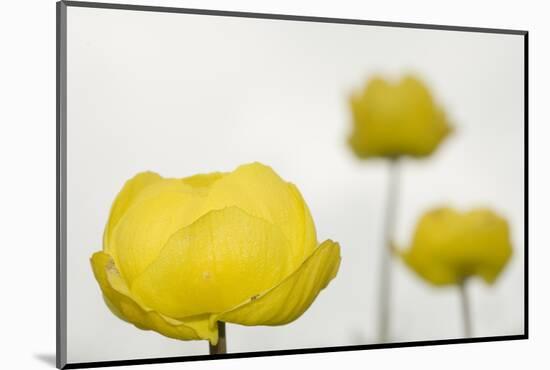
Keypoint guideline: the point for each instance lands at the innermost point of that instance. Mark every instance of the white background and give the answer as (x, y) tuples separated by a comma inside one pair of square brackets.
[(181, 94), (28, 155)]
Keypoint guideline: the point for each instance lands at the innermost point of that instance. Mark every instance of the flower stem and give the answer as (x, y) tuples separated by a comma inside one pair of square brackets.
[(385, 258), (221, 347), (466, 313)]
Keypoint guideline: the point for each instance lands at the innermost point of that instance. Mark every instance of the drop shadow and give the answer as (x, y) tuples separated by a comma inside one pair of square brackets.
[(47, 358)]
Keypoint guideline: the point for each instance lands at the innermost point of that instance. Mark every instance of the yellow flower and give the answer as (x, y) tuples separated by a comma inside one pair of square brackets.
[(396, 119), (181, 254), (449, 246)]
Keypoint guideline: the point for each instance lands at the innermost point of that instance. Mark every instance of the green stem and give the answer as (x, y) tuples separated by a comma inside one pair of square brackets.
[(221, 347), (466, 313), (385, 258)]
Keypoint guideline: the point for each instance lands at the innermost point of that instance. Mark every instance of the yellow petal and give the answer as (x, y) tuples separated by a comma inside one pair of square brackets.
[(395, 119), (492, 232), (308, 237), (203, 181), (434, 272), (290, 299), (259, 191), (122, 304), (162, 209), (221, 260), (450, 246), (129, 193)]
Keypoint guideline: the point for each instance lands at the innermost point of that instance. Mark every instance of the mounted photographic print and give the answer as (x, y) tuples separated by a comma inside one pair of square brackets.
[(236, 184)]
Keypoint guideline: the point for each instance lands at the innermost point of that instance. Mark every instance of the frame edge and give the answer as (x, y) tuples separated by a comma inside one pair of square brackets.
[(61, 198), (288, 17)]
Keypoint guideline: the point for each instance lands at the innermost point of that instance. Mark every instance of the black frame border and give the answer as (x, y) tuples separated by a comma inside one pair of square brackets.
[(61, 181)]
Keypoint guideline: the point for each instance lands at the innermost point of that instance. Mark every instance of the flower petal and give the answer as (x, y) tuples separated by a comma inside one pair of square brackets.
[(129, 193), (449, 246), (394, 119), (308, 238), (290, 299), (121, 303), (489, 244), (435, 272), (162, 209), (258, 190), (203, 181), (221, 260)]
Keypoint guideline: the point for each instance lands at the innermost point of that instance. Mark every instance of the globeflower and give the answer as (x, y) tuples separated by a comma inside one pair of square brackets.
[(182, 254), (392, 120), (396, 119), (449, 246)]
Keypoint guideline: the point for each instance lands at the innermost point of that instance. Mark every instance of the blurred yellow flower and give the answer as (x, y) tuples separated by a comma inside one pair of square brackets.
[(181, 254), (396, 119), (449, 246)]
